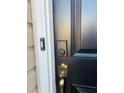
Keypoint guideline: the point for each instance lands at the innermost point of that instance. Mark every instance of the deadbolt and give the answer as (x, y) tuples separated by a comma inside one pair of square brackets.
[(61, 52), (62, 48)]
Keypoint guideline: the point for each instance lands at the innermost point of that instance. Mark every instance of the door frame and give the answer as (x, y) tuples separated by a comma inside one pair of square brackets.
[(42, 18)]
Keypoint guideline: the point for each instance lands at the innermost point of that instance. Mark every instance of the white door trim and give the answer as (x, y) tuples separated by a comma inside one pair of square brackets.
[(42, 18)]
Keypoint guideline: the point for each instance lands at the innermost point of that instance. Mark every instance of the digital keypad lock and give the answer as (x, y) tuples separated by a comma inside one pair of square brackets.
[(62, 48)]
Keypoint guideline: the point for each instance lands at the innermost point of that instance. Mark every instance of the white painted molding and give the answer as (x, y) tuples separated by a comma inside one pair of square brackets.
[(50, 45), (42, 18)]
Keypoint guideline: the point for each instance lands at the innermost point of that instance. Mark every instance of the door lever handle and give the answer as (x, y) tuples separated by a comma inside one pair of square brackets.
[(61, 83), (63, 70)]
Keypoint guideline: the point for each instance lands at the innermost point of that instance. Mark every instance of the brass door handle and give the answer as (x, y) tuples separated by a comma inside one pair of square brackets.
[(61, 83), (63, 70)]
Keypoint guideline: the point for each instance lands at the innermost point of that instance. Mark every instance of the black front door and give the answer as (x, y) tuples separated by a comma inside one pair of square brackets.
[(75, 30)]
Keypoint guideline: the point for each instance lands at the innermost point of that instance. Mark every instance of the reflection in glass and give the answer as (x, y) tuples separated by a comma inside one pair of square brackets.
[(88, 24)]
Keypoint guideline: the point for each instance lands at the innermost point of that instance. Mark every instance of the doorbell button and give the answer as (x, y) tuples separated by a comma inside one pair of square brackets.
[(42, 44)]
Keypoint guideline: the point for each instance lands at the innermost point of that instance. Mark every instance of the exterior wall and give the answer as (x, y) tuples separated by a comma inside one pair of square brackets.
[(31, 67)]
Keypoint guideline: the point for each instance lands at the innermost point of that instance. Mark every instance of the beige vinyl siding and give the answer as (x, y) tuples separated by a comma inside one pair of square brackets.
[(31, 80), (30, 41), (30, 58), (31, 66), (35, 91), (29, 13)]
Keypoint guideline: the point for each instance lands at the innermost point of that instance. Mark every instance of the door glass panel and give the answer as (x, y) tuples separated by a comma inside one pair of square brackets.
[(88, 24), (84, 28), (61, 16)]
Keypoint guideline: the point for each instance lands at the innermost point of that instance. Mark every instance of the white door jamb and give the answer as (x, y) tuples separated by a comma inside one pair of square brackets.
[(42, 17)]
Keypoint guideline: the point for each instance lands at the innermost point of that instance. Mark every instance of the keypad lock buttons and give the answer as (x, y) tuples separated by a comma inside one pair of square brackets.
[(62, 48)]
